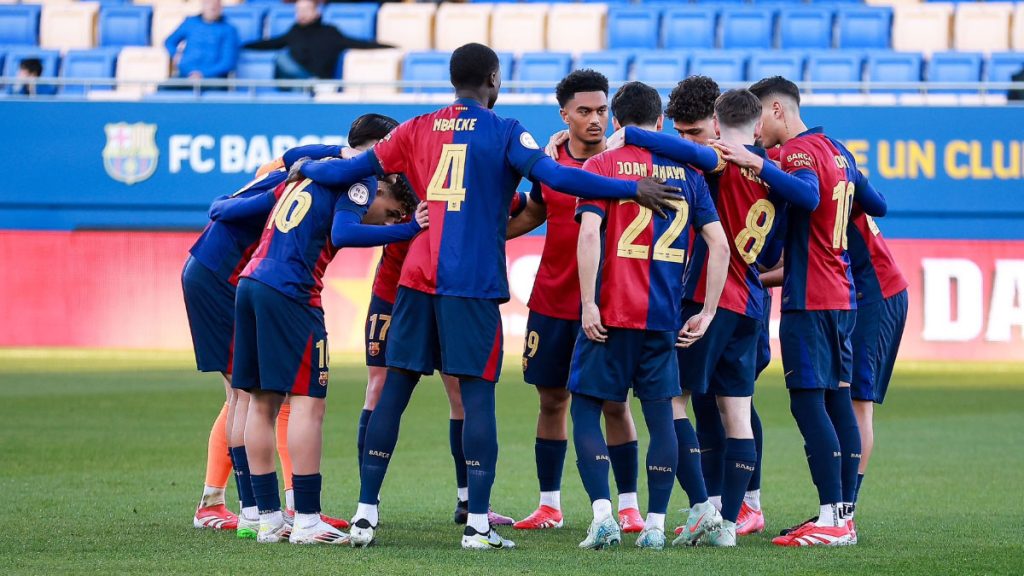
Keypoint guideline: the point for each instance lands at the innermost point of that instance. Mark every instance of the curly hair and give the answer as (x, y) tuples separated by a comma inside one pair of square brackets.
[(401, 190), (585, 80), (693, 100)]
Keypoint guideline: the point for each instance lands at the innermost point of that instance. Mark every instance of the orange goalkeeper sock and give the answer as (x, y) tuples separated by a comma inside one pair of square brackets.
[(218, 463), (282, 445)]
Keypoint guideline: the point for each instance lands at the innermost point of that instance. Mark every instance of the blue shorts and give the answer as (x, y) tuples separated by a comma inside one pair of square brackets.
[(459, 336), (764, 344), (280, 343), (723, 361), (210, 305), (548, 351), (876, 341), (643, 360), (378, 324), (816, 349)]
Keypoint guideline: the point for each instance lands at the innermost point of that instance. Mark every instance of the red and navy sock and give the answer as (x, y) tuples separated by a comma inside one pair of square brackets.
[(662, 454), (479, 441), (840, 411), (382, 432), (821, 443), (740, 459), (455, 432), (307, 492), (243, 481), (550, 456), (591, 449), (688, 470), (625, 461)]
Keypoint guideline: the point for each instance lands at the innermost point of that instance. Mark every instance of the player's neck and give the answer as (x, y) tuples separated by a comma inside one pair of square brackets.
[(479, 96), (734, 136), (794, 128), (582, 150)]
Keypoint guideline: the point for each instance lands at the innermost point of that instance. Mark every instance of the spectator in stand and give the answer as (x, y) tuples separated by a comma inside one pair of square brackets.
[(1017, 94), (211, 44), (29, 70), (313, 47)]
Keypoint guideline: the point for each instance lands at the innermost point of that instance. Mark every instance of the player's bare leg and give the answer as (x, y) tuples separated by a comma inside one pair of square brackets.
[(623, 452), (865, 413), (211, 511), (703, 516), (552, 441), (248, 516), (260, 445), (305, 444), (740, 459)]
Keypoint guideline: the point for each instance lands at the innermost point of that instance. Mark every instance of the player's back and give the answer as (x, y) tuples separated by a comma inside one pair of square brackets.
[(876, 275)]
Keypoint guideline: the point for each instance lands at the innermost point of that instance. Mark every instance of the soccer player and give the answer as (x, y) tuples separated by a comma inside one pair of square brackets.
[(818, 304), (466, 162), (281, 340), (554, 319), (630, 263)]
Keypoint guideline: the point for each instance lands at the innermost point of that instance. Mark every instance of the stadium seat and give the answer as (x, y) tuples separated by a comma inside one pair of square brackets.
[(427, 67), (139, 70), (982, 27), (50, 60), (19, 25), (1002, 66), (68, 26), (247, 20), (167, 18), (125, 25), (921, 28), (406, 26), (256, 65), (280, 20), (613, 64), (744, 27), (372, 66), (776, 63), (519, 27), (689, 27), (722, 65), (806, 27), (633, 27), (893, 67), (576, 27), (88, 64), (835, 67), (548, 67), (458, 24), (507, 62), (954, 67), (863, 27), (666, 67), (1017, 30), (357, 20)]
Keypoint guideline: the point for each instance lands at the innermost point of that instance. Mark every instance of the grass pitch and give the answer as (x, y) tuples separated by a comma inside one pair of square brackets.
[(103, 456)]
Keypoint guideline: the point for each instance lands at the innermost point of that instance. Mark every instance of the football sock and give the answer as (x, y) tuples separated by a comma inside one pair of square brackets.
[(591, 450), (840, 411), (688, 467), (218, 463), (212, 496), (364, 419), (382, 433), (462, 493), (822, 444), (282, 444), (455, 428), (602, 508), (264, 488), (551, 499), (755, 424), (829, 515), (655, 522), (740, 459), (242, 479), (550, 455), (860, 480), (628, 500), (625, 461), (368, 511), (716, 501), (753, 499), (711, 439), (479, 522), (480, 443), (306, 520), (307, 493), (662, 455), (289, 498)]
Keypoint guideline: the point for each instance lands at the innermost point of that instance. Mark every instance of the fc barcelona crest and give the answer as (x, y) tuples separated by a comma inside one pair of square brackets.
[(131, 154), (323, 377), (374, 348)]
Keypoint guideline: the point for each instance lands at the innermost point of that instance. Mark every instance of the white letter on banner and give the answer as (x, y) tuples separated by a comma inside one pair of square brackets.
[(178, 151), (232, 154), (199, 164), (1007, 309), (939, 275), (281, 144), (258, 154)]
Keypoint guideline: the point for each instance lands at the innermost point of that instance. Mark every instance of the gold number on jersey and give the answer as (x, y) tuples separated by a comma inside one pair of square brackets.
[(663, 250), (385, 323), (843, 195), (627, 249), (446, 183), (322, 353), (760, 218), (532, 343), (292, 207)]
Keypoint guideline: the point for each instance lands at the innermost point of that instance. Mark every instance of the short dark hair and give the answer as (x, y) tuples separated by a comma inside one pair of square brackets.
[(33, 66), (636, 103), (776, 86), (585, 80), (737, 108), (402, 192), (692, 100), (370, 127), (471, 64)]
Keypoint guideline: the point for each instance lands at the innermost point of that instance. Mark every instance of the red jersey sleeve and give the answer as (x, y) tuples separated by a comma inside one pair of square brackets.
[(391, 151), (798, 155)]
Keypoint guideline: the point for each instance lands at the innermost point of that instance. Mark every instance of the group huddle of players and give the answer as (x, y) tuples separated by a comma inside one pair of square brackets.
[(655, 275)]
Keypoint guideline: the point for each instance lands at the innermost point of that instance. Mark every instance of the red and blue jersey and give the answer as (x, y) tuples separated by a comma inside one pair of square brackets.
[(296, 247), (817, 275), (466, 162), (875, 273), (639, 283), (389, 270), (226, 244)]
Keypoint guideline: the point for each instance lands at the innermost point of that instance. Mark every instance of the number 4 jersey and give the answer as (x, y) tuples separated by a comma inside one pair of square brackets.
[(644, 255)]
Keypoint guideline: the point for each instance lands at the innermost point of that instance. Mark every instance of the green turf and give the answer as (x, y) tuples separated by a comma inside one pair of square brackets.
[(102, 455)]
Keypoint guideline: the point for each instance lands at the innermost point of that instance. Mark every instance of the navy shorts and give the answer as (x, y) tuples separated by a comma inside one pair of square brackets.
[(280, 343), (643, 360), (378, 325), (459, 336), (764, 344), (876, 341), (723, 362), (548, 351), (816, 349), (210, 305)]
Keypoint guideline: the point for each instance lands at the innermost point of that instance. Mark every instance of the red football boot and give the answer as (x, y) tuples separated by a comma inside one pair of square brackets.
[(749, 521), (215, 517), (631, 521), (543, 517)]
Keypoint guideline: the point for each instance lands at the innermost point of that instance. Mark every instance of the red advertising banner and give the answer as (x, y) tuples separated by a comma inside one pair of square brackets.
[(123, 290)]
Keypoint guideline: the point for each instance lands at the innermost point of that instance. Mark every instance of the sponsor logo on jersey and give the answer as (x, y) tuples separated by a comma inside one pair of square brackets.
[(130, 155)]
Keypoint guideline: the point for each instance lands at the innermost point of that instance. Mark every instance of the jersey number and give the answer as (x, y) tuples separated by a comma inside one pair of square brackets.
[(750, 241), (843, 195), (322, 353), (446, 183), (663, 247), (292, 207), (385, 323)]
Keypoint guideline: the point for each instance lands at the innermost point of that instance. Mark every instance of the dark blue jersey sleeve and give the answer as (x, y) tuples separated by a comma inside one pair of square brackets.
[(576, 182), (235, 208), (312, 151), (675, 148), (522, 151), (536, 194), (703, 208), (339, 172), (347, 231), (870, 200), (772, 251), (799, 189)]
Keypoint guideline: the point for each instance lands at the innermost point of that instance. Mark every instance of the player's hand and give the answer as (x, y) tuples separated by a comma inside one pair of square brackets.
[(422, 216), (592, 326), (295, 174), (556, 141), (694, 328), (349, 153), (654, 194), (616, 140), (739, 155)]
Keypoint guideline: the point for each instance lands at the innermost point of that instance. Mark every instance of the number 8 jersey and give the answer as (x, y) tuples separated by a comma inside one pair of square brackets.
[(644, 255)]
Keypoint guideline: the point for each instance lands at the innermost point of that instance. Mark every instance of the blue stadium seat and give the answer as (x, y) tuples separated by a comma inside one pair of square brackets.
[(547, 67), (426, 67), (806, 27), (256, 65), (776, 63), (893, 67), (507, 62), (614, 65), (722, 65), (19, 24), (50, 60), (864, 27), (91, 64), (835, 67), (955, 67), (633, 27), (124, 26), (744, 27), (1003, 65), (661, 67), (354, 20), (247, 20), (280, 19), (689, 27)]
